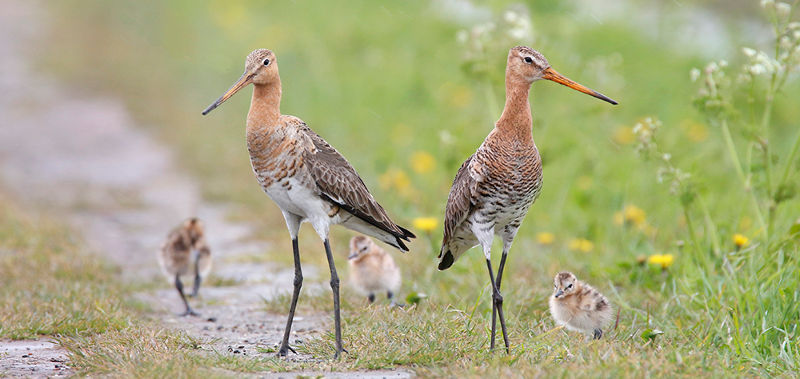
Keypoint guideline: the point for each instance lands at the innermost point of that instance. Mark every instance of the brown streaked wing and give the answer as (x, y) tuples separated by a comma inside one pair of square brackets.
[(460, 201), (340, 183)]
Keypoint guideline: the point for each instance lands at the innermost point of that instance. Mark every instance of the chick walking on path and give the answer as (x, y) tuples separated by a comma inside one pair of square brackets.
[(186, 253), (307, 178), (578, 306), (494, 187), (372, 270)]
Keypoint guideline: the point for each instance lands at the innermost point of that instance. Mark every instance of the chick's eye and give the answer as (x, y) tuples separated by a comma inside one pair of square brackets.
[(266, 62), (528, 60), (569, 286)]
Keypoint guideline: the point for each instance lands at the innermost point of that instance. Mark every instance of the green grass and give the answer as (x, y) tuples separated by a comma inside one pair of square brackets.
[(363, 75)]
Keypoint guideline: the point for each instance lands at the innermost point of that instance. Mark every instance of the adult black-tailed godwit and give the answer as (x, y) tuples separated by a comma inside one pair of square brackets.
[(307, 178), (495, 187), (186, 253)]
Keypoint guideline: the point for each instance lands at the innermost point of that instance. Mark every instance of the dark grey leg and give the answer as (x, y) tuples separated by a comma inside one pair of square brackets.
[(499, 280), (337, 319), (197, 278), (597, 334), (179, 287), (298, 283), (498, 304), (371, 298)]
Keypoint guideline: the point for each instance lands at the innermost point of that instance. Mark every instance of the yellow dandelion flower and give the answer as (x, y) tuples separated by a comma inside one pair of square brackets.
[(634, 215), (422, 162), (581, 244), (426, 224), (545, 238), (619, 219), (695, 131), (585, 183), (394, 178), (740, 240), (623, 135), (460, 96), (663, 260)]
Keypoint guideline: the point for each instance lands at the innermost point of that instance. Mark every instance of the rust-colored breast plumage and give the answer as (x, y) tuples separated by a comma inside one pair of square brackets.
[(276, 154)]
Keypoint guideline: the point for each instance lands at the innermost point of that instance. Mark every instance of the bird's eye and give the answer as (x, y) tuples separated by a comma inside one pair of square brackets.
[(266, 61), (528, 60), (569, 286)]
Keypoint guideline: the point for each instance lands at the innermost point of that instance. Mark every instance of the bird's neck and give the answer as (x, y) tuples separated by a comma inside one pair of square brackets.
[(516, 119), (265, 107)]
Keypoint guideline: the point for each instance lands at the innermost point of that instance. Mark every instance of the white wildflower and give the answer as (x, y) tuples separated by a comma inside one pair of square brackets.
[(748, 51), (511, 16), (767, 3), (694, 74), (462, 36), (783, 10)]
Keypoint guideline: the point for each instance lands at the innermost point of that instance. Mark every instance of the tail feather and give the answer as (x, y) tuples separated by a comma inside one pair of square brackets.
[(363, 227), (447, 260)]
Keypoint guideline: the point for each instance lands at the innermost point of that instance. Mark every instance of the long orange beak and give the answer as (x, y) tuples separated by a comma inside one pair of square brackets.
[(241, 83), (553, 75)]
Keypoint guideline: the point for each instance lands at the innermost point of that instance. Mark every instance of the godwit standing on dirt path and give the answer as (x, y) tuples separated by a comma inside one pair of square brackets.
[(186, 253), (494, 187), (307, 178)]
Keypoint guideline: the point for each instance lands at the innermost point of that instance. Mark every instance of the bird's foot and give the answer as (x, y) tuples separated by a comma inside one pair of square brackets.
[(597, 334), (339, 352), (285, 349), (189, 312)]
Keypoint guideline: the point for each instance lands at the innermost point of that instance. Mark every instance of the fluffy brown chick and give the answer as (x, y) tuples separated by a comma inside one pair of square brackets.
[(578, 306), (372, 270), (186, 253)]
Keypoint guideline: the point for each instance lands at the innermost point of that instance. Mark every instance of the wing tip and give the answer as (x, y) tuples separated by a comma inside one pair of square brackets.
[(407, 234)]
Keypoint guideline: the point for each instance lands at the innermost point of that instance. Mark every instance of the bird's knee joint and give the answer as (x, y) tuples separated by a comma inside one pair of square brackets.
[(298, 281), (335, 283)]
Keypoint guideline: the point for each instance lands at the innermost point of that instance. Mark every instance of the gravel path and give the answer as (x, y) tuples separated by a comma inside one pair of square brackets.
[(82, 157)]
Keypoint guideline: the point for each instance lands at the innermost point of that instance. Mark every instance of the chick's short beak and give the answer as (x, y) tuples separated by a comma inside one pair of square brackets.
[(558, 294)]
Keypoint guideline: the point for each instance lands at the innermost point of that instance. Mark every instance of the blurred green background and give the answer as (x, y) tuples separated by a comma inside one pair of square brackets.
[(400, 89)]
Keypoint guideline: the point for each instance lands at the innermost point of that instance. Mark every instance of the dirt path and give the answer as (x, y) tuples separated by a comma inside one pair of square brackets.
[(82, 157)]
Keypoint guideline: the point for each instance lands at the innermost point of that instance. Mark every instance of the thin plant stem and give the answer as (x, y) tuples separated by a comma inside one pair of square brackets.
[(726, 134)]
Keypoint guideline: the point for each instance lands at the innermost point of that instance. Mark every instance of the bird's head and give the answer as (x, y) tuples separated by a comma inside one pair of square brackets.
[(194, 227), (359, 247), (564, 283), (529, 65), (260, 67)]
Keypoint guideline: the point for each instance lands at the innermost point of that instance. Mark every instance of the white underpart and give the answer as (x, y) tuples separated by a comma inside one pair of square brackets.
[(304, 203), (484, 234)]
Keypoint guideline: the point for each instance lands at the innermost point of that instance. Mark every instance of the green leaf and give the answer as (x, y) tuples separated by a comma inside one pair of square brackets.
[(415, 297), (650, 334)]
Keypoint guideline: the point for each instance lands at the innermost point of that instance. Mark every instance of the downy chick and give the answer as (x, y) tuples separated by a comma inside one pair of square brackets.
[(372, 270), (578, 306), (186, 253)]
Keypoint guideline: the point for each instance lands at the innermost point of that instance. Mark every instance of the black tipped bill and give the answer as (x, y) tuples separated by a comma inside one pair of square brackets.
[(553, 75), (243, 81)]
